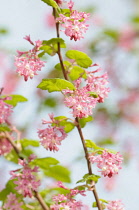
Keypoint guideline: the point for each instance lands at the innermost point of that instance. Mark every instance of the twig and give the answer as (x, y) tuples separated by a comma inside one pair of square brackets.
[(76, 120), (36, 194), (41, 201)]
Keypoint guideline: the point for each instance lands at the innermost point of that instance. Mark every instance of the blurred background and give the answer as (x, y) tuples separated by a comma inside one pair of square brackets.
[(112, 41)]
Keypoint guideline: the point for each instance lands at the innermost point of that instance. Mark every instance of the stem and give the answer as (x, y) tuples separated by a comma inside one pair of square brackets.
[(77, 121), (59, 49), (88, 163), (36, 194), (41, 201)]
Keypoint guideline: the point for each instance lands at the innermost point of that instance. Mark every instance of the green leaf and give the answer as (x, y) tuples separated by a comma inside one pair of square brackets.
[(77, 72), (63, 121), (4, 128), (83, 121), (66, 12), (55, 85), (15, 99), (40, 55), (28, 142), (12, 156), (67, 65), (10, 187), (26, 152), (54, 41), (45, 163), (59, 173), (81, 58), (91, 144), (51, 3), (87, 178), (51, 46)]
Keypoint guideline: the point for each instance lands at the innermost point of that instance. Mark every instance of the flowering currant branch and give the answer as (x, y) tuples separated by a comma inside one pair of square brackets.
[(76, 119)]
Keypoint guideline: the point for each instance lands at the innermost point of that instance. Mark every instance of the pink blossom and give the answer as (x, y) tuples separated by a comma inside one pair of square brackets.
[(66, 201), (12, 203), (5, 110), (115, 205), (74, 25), (109, 163), (98, 83), (80, 100), (5, 146), (52, 136), (25, 179), (30, 63)]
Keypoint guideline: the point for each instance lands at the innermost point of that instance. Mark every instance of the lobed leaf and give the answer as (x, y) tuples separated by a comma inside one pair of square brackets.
[(29, 142), (15, 99), (60, 173), (51, 3), (55, 85), (44, 163), (83, 121), (77, 72), (87, 178), (81, 58)]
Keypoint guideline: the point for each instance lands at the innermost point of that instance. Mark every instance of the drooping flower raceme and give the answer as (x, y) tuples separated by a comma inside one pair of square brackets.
[(28, 63), (75, 24), (109, 163), (25, 179), (12, 203), (5, 110), (67, 201), (52, 136), (83, 99), (115, 205)]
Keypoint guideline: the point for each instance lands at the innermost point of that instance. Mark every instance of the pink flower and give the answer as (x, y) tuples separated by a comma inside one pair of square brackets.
[(115, 205), (80, 100), (30, 63), (74, 25), (5, 110), (12, 203), (109, 163), (98, 83), (52, 136), (67, 201), (25, 179), (59, 2), (5, 146)]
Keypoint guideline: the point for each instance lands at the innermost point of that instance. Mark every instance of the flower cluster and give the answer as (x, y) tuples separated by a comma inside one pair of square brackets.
[(67, 201), (52, 136), (115, 205), (5, 110), (12, 203), (75, 23), (83, 99), (109, 163), (25, 179), (30, 63), (5, 146)]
